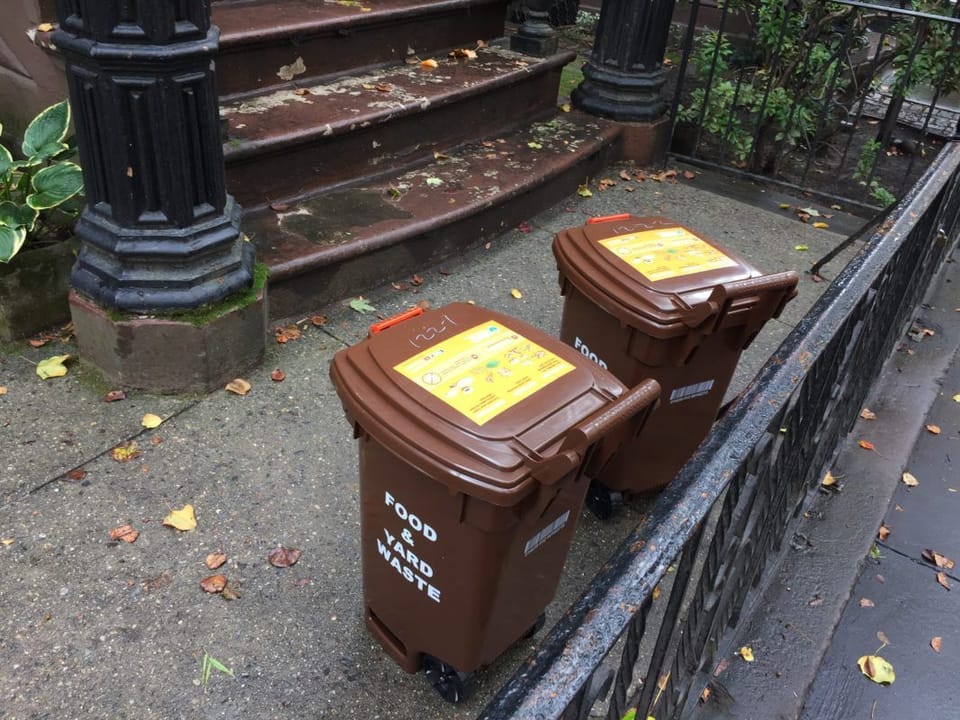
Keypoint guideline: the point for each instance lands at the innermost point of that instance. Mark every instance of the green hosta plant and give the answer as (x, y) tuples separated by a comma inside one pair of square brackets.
[(32, 189)]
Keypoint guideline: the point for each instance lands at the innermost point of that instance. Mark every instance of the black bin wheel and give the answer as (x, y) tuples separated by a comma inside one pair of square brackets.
[(603, 502), (452, 685)]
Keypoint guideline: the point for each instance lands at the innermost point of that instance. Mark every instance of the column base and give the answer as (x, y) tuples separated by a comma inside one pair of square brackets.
[(173, 355), (645, 143), (533, 45)]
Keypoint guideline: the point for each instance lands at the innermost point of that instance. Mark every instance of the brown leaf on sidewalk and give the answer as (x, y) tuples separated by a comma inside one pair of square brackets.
[(283, 557), (238, 386), (882, 637), (214, 583), (866, 445), (278, 375), (866, 603), (76, 475), (868, 414), (883, 533), (941, 561), (215, 560), (909, 479), (114, 396), (936, 643), (126, 533), (318, 320), (942, 579), (933, 429), (157, 583)]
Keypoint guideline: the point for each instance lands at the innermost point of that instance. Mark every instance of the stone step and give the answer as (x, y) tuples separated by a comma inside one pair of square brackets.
[(295, 142), (341, 243), (259, 37)]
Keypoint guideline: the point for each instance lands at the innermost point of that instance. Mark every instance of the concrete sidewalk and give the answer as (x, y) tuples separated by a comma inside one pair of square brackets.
[(92, 628)]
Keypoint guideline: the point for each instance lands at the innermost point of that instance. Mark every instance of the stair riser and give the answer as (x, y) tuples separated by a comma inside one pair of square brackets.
[(403, 142), (304, 293), (248, 66)]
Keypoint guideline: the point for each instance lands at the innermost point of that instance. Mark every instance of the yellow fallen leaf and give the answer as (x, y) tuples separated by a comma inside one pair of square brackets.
[(566, 107), (516, 293), (746, 652), (182, 519), (584, 191), (956, 398), (785, 206), (820, 225), (801, 248), (910, 480), (877, 669), (429, 63), (151, 421), (3, 389), (828, 479), (868, 414), (7, 541), (44, 27), (125, 452), (933, 429), (52, 367)]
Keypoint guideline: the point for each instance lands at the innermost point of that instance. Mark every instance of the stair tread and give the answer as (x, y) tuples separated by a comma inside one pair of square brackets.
[(341, 224), (292, 116), (242, 22)]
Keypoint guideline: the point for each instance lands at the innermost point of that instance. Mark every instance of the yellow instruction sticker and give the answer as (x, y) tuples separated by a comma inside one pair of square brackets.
[(667, 253), (484, 371)]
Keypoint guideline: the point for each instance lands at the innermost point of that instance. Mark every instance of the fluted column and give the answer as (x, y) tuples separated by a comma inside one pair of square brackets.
[(159, 232), (625, 73)]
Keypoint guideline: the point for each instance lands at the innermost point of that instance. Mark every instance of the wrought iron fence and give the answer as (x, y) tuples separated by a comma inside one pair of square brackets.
[(733, 503), (846, 100)]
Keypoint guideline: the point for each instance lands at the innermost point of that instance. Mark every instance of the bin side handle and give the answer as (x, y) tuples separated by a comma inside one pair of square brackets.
[(579, 438), (784, 283)]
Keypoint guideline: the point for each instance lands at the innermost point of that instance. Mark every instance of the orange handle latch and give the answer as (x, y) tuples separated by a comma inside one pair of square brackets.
[(395, 320), (608, 218)]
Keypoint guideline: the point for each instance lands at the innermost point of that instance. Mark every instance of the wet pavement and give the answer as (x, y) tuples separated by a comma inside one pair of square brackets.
[(93, 628)]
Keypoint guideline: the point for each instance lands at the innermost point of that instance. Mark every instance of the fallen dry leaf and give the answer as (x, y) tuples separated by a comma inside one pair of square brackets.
[(156, 440), (114, 396), (126, 533), (383, 87), (278, 375), (881, 635), (214, 583), (689, 174), (288, 72), (77, 475), (215, 560), (866, 603), (910, 480), (516, 294), (828, 479), (157, 583), (37, 343), (230, 592), (52, 367), (584, 191), (624, 175), (883, 533), (941, 561), (942, 579), (933, 429), (877, 669), (956, 398), (283, 557), (746, 652), (318, 320), (820, 225), (429, 64), (868, 414), (151, 421), (45, 27), (936, 643), (3, 389), (279, 207), (183, 519), (6, 542), (866, 445), (238, 386), (125, 452), (416, 280)]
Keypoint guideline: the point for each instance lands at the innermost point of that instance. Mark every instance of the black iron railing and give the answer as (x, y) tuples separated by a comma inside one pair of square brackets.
[(733, 503), (848, 101)]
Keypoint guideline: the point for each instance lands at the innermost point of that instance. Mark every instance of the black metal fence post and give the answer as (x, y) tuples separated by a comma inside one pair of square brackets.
[(535, 36), (159, 232), (625, 73)]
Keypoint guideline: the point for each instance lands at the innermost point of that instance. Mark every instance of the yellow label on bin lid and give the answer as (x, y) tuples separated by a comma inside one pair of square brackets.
[(665, 253), (484, 371)]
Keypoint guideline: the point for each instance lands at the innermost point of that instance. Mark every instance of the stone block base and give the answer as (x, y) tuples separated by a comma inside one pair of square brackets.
[(165, 355), (645, 143)]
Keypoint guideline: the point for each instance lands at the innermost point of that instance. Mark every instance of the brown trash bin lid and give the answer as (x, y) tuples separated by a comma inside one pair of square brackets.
[(473, 398), (652, 273)]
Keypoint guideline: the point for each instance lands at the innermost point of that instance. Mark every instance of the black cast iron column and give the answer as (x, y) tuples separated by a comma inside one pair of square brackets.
[(625, 73), (535, 36), (159, 232)]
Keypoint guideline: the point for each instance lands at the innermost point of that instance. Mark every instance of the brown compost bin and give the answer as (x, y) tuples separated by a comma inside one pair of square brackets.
[(646, 297), (472, 428)]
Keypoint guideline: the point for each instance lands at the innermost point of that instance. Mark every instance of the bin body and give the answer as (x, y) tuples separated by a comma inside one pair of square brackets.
[(648, 298), (473, 428)]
